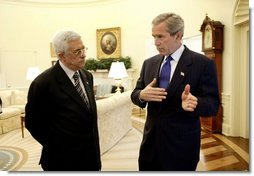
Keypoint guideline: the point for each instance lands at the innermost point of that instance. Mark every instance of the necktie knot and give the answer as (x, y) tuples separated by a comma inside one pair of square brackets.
[(168, 59), (75, 76)]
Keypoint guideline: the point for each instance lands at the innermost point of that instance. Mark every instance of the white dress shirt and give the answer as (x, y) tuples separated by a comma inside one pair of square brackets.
[(70, 74), (176, 56)]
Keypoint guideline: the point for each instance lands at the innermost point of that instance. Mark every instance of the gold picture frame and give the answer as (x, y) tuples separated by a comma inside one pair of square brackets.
[(52, 50), (108, 43)]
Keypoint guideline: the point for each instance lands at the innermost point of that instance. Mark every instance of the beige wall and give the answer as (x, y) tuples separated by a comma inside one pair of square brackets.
[(27, 29)]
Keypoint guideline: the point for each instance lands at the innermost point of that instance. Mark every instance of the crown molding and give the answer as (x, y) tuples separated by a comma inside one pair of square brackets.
[(58, 3), (241, 14)]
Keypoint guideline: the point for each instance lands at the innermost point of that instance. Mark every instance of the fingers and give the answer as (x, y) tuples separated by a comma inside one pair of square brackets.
[(190, 107), (157, 98), (186, 92), (189, 102), (156, 90), (152, 93), (187, 89), (192, 104), (153, 83)]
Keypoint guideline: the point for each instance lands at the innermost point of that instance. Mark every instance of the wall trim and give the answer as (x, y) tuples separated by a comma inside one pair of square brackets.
[(226, 104), (239, 118), (58, 3), (241, 13)]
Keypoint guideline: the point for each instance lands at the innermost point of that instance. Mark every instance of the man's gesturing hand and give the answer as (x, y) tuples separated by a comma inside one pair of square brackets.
[(189, 102), (151, 93)]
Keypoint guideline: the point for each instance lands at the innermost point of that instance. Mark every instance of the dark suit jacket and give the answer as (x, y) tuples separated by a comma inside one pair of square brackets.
[(172, 135), (60, 121)]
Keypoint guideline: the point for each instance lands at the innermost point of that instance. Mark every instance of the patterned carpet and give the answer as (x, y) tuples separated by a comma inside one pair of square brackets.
[(217, 152), (22, 154), (12, 158)]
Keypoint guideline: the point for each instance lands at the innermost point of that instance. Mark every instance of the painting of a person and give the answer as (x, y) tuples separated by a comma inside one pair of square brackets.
[(108, 43)]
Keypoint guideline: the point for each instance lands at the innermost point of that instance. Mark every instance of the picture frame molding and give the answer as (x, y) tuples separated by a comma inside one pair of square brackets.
[(52, 50), (114, 34)]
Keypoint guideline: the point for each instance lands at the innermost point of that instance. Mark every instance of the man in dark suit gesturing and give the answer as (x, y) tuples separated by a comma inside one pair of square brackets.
[(61, 111), (179, 86)]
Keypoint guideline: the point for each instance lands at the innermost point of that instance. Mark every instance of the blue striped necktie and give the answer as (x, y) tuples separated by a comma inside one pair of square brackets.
[(79, 89), (165, 73)]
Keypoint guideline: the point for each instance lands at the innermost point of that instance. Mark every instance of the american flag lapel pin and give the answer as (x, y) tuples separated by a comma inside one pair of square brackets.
[(182, 73)]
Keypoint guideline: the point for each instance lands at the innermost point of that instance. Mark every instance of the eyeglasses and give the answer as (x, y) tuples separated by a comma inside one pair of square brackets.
[(79, 52)]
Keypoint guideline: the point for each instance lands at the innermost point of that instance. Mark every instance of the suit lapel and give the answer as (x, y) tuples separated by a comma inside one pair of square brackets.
[(155, 66), (181, 72), (87, 86), (67, 86)]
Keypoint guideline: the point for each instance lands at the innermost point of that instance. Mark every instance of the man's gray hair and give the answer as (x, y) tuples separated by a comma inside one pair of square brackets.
[(61, 39), (173, 22)]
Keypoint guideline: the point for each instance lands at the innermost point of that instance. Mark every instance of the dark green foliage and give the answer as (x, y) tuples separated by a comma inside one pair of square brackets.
[(91, 64), (94, 64)]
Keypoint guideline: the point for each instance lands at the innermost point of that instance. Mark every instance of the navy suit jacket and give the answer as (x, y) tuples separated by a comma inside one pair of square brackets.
[(60, 121), (172, 135)]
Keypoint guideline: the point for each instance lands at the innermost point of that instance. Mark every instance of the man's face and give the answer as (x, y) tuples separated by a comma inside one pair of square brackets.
[(74, 57), (164, 42)]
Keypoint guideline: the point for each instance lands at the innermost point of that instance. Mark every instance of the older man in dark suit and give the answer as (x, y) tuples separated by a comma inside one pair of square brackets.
[(61, 111), (179, 86)]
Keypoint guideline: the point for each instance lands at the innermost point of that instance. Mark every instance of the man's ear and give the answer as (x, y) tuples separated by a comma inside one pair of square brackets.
[(179, 35), (60, 55)]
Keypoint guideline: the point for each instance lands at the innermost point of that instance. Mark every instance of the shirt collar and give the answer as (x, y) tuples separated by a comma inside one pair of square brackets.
[(177, 54), (68, 71)]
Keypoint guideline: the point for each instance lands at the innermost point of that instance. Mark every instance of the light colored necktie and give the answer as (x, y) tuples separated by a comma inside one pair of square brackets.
[(165, 73), (79, 89)]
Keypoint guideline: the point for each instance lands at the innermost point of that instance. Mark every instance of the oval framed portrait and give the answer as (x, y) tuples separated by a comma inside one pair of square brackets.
[(108, 43)]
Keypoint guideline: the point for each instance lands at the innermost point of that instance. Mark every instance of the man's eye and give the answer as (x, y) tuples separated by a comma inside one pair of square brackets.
[(78, 52), (158, 37)]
